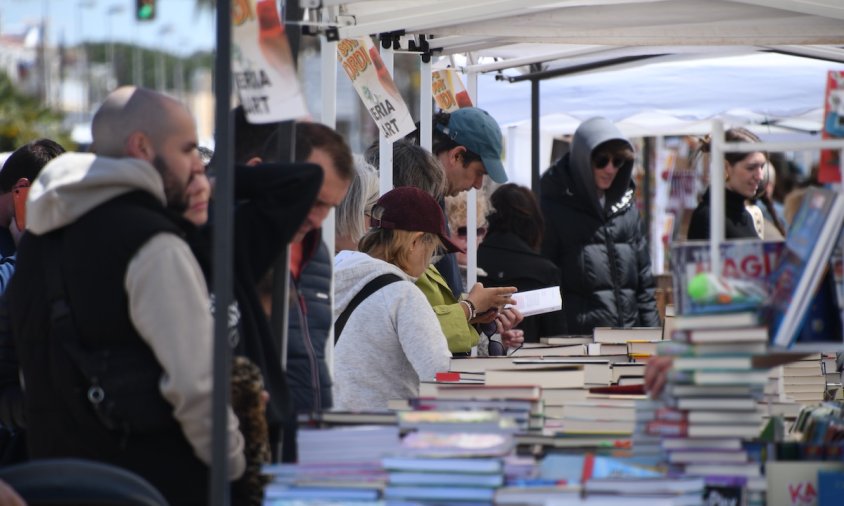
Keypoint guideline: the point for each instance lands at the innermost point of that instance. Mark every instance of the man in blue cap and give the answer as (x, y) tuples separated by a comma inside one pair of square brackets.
[(467, 143)]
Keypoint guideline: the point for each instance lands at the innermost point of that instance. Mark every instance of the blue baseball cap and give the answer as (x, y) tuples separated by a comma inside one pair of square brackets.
[(476, 130)]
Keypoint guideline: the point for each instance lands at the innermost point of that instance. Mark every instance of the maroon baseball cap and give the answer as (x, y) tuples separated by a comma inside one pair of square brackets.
[(411, 209)]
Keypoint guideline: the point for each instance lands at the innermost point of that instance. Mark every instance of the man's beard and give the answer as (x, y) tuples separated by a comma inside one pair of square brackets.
[(174, 191)]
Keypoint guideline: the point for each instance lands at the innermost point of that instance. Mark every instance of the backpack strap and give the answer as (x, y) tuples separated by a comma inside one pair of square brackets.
[(373, 286)]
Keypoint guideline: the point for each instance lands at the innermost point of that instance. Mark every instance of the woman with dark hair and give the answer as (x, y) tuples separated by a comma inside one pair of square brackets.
[(510, 254), (743, 174)]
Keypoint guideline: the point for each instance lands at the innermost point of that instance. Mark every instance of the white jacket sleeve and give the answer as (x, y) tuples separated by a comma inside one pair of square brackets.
[(169, 307)]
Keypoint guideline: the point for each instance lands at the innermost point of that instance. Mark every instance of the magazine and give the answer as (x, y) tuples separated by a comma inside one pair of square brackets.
[(742, 259), (803, 265)]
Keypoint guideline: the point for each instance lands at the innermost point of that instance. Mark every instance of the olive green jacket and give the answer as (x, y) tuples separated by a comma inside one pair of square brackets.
[(461, 336)]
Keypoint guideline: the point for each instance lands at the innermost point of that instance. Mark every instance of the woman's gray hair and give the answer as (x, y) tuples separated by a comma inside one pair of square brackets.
[(362, 195), (414, 166)]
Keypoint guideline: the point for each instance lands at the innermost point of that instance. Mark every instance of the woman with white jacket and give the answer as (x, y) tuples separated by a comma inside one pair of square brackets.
[(392, 339)]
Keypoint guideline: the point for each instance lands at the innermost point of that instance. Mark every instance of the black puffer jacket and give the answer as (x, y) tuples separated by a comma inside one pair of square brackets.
[(738, 223), (602, 251)]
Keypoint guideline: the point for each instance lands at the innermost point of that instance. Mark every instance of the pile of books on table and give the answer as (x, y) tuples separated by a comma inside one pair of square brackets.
[(710, 416)]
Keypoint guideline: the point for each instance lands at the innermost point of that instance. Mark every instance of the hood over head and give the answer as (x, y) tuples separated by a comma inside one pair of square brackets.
[(588, 136), (75, 183)]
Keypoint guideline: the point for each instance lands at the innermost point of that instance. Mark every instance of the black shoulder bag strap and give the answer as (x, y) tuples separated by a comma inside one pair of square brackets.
[(373, 286)]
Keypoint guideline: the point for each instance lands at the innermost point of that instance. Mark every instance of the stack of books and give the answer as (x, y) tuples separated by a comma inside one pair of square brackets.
[(710, 403), (445, 465), (802, 381), (637, 343), (336, 464), (522, 404)]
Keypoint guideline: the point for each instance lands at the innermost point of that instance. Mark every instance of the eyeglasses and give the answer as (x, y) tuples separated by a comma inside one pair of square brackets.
[(601, 160), (461, 231)]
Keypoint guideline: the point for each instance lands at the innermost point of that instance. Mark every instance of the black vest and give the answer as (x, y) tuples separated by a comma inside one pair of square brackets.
[(95, 252)]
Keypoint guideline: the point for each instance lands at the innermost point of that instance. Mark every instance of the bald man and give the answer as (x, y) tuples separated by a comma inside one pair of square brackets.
[(109, 308)]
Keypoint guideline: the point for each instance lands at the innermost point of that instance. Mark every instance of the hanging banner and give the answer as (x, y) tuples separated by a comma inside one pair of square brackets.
[(262, 64), (375, 86), (829, 170), (448, 90)]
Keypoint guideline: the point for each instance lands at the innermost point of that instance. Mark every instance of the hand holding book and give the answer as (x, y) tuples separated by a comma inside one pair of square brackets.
[(489, 301)]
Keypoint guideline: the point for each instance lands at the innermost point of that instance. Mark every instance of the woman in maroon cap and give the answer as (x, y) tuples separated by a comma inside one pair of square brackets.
[(390, 340)]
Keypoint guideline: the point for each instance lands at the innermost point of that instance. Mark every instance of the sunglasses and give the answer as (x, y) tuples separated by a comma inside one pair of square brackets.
[(461, 231), (600, 161)]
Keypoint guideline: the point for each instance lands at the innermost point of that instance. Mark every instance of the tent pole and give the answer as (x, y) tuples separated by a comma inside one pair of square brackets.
[(716, 197), (425, 103), (328, 58), (385, 147), (648, 149), (471, 200), (223, 227), (534, 136)]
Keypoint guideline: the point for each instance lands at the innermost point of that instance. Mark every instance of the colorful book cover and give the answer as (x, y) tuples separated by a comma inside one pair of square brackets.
[(830, 487), (746, 260), (803, 265), (829, 170)]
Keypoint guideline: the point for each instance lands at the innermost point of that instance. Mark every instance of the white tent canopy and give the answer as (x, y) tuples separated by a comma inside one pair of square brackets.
[(545, 38), (783, 93), (493, 23), (656, 55)]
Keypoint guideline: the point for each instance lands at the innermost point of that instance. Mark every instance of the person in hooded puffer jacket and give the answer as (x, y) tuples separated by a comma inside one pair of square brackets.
[(594, 233)]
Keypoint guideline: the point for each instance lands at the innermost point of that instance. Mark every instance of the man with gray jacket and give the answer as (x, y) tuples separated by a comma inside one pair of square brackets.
[(109, 307)]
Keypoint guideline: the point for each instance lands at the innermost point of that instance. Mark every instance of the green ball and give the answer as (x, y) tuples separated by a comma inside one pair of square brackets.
[(699, 288)]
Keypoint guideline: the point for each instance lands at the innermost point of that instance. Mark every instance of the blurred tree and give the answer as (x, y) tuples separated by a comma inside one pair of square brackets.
[(124, 53), (24, 118)]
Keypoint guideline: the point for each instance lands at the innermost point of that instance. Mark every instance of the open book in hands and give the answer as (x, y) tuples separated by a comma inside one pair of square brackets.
[(544, 300)]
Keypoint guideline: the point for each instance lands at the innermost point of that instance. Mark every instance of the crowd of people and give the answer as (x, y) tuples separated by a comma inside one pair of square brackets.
[(106, 286)]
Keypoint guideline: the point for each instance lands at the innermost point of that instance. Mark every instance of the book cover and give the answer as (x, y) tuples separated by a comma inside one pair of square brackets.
[(830, 487), (803, 263), (424, 443), (742, 259), (796, 483), (829, 169)]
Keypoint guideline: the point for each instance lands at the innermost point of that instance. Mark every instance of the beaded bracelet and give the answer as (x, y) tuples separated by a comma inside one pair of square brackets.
[(473, 312)]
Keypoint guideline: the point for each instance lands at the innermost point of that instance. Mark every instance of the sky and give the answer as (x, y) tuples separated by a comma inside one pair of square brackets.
[(179, 27)]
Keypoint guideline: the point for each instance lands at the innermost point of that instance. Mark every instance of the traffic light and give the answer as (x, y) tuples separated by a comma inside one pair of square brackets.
[(145, 10)]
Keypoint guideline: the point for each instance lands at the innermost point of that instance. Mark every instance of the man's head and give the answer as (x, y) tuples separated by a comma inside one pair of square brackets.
[(321, 145), (467, 142), (143, 124), (25, 163)]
